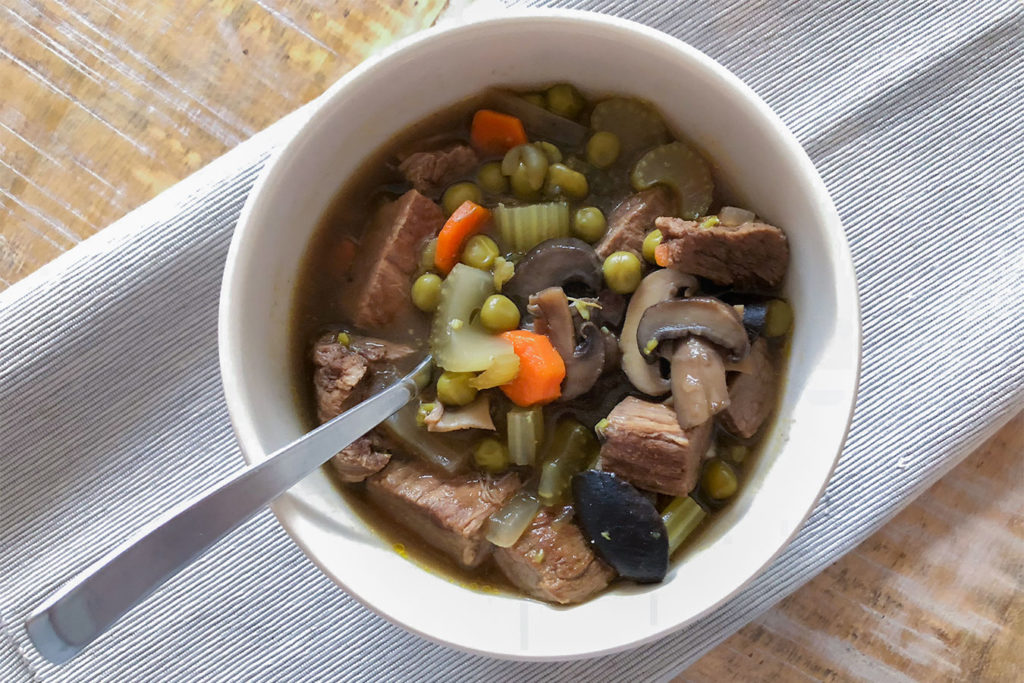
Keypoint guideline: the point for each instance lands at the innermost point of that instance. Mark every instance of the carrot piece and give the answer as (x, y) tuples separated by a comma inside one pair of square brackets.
[(495, 133), (467, 220), (541, 369)]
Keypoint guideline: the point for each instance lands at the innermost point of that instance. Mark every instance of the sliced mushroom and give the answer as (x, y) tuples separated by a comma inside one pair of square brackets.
[(554, 263), (583, 363), (699, 390), (700, 316), (659, 286), (476, 415)]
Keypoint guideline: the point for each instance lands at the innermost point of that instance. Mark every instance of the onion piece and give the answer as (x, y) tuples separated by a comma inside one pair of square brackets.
[(732, 216), (505, 526)]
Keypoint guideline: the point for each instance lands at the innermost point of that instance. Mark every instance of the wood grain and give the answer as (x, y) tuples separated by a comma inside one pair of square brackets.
[(103, 103)]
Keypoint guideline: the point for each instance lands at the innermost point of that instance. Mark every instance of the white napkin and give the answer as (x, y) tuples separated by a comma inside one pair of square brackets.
[(111, 408)]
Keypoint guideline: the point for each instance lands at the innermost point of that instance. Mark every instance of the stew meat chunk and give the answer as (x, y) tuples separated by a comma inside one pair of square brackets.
[(751, 394), (633, 219), (430, 172)]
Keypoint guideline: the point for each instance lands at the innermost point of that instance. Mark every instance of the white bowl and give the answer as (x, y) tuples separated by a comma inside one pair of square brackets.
[(756, 156)]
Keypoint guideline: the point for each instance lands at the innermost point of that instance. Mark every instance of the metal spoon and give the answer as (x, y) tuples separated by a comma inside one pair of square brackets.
[(90, 603)]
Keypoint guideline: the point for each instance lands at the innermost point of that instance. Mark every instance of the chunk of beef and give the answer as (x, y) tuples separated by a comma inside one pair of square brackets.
[(552, 561), (339, 373), (362, 458), (447, 512), (751, 394), (631, 220), (430, 172), (751, 255), (388, 258), (645, 445)]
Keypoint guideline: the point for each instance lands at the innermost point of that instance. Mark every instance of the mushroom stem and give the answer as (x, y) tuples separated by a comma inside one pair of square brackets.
[(699, 390)]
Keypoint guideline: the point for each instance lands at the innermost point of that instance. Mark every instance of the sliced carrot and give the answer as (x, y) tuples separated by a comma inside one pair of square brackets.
[(495, 133), (468, 219), (541, 369)]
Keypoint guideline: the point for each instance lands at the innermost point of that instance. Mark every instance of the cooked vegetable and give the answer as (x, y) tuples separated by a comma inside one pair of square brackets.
[(682, 169), (719, 480), (505, 526), (589, 224), (491, 179), (736, 453), (538, 120), (565, 100), (622, 272), (681, 517), (660, 285), (778, 318), (573, 447), (525, 434), (499, 314), (755, 316), (426, 292), (651, 242), (733, 216), (458, 193), (553, 154), (583, 363), (454, 389), (702, 316), (466, 221), (524, 227), (541, 369), (490, 455), (562, 181), (603, 149), (495, 133), (457, 343), (623, 525), (441, 452), (698, 383), (527, 165), (475, 415), (480, 252), (534, 98), (503, 271), (554, 263), (502, 371), (427, 255), (636, 124)]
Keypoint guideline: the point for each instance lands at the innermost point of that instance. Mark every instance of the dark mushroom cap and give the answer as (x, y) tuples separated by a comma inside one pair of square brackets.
[(699, 316), (554, 263)]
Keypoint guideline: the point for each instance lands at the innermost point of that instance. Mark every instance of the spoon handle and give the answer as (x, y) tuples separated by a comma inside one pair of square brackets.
[(91, 602)]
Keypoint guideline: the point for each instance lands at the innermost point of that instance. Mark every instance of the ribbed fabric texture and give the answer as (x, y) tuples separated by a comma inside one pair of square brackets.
[(111, 407)]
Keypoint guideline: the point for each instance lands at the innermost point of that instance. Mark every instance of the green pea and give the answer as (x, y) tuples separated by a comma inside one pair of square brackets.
[(454, 389), (499, 314), (426, 292), (553, 154), (603, 149), (719, 480), (589, 224), (535, 98), (522, 188), (778, 318), (562, 180), (427, 256), (564, 100), (491, 455), (458, 193), (737, 453), (622, 272), (651, 242), (480, 252), (491, 179)]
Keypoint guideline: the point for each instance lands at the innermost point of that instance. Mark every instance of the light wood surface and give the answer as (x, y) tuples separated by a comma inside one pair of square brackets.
[(104, 103)]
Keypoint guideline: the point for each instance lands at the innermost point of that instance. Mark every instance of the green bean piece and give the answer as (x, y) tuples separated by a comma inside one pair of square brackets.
[(564, 181), (719, 480), (491, 179), (651, 242), (427, 256), (480, 252), (603, 149), (499, 314), (491, 455), (681, 517), (589, 224), (565, 100), (535, 98), (553, 154), (573, 447), (458, 193), (454, 389), (622, 272), (426, 292), (778, 319)]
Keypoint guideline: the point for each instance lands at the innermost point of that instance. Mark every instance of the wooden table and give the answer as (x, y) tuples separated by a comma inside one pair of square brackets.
[(104, 103)]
